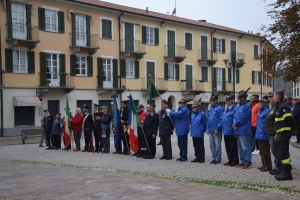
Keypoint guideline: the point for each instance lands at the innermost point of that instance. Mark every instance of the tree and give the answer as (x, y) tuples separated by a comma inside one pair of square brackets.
[(284, 34)]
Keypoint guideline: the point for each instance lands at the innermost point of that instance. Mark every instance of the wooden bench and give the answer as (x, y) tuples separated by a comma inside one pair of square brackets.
[(30, 133)]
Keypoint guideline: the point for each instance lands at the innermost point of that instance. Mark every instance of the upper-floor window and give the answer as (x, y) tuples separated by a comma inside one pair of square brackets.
[(255, 49), (171, 72), (18, 20), (219, 45), (256, 77), (106, 28), (51, 20), (130, 69), (20, 61), (81, 66), (150, 35), (189, 41), (204, 73)]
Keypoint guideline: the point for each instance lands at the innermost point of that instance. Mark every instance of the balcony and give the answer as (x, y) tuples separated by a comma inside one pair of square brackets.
[(18, 32), (160, 83), (132, 47), (208, 57), (239, 58), (51, 80), (113, 84), (84, 41), (174, 52), (223, 86), (192, 86)]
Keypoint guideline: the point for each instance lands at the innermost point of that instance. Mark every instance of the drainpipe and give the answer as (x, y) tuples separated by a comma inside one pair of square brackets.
[(120, 49), (1, 85), (212, 54)]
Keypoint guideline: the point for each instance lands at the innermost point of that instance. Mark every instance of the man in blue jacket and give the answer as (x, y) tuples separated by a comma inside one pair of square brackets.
[(182, 123), (198, 127), (242, 127), (48, 125), (228, 132), (261, 135), (214, 129)]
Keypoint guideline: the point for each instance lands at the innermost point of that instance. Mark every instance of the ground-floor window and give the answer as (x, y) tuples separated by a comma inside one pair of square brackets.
[(24, 115)]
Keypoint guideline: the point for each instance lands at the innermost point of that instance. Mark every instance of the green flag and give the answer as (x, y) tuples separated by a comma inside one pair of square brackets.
[(152, 93)]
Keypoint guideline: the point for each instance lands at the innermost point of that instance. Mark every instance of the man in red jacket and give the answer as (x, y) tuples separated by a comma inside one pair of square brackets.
[(76, 124), (254, 114)]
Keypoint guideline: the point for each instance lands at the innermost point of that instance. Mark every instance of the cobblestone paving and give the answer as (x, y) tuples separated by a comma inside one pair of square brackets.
[(111, 162), (31, 181)]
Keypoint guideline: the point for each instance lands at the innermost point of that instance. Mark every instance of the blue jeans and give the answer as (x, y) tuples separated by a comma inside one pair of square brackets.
[(106, 141), (244, 147), (182, 145), (215, 146)]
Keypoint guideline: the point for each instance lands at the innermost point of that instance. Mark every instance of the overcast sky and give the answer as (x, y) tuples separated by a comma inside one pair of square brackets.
[(239, 14)]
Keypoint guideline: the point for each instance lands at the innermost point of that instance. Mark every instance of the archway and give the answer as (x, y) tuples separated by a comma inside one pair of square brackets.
[(171, 102)]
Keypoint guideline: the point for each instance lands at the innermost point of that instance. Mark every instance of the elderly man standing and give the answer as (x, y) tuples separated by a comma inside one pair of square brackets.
[(57, 130), (48, 125), (242, 127), (97, 130), (228, 132), (76, 124), (105, 124), (198, 128), (214, 128), (87, 129), (182, 122)]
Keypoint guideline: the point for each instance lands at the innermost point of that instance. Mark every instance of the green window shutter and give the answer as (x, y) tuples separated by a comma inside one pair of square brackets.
[(215, 78), (28, 21), (144, 37), (123, 68), (42, 19), (204, 74), (31, 62), (88, 31), (62, 70), (9, 60), (253, 74), (90, 66), (237, 76), (223, 46), (9, 19), (100, 72), (136, 69), (177, 72), (73, 60), (223, 78), (109, 29), (73, 31), (166, 70), (259, 77), (115, 73), (106, 28), (215, 44), (233, 46), (255, 51), (156, 34), (229, 75), (103, 23), (61, 21), (43, 65), (188, 41)]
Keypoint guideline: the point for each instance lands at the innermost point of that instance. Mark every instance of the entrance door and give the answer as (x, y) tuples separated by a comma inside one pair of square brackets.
[(18, 15), (189, 77), (151, 71), (80, 28), (219, 80), (53, 107), (81, 103), (107, 73), (53, 70), (171, 43), (129, 37), (204, 50)]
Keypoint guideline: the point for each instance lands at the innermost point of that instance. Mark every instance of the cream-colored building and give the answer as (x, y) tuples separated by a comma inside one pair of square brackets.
[(89, 49)]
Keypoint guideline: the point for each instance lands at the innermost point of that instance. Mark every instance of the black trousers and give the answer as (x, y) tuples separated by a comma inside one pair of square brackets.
[(87, 140), (256, 141), (231, 148), (166, 145), (265, 153), (77, 137), (56, 141), (283, 152), (198, 144), (152, 145), (49, 138), (97, 139), (142, 141), (124, 138)]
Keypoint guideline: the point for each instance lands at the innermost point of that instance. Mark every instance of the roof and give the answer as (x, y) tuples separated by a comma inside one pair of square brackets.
[(138, 11)]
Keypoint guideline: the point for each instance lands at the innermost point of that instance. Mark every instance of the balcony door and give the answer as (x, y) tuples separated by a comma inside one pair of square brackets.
[(107, 73), (80, 30), (189, 77), (219, 77), (151, 71), (129, 37), (18, 15), (53, 70), (171, 43), (232, 47)]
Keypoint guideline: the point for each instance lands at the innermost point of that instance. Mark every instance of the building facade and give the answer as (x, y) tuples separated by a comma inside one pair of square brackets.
[(88, 50)]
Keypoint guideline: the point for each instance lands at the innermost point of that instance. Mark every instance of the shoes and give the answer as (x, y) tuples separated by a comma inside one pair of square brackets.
[(233, 164), (195, 160), (202, 161), (135, 154), (127, 153), (41, 146), (76, 149), (256, 152), (146, 156), (159, 143), (64, 149), (183, 160), (169, 158), (212, 162), (246, 166), (275, 172), (162, 158), (95, 151), (84, 150), (49, 148), (105, 151), (284, 177), (261, 167), (56, 148), (228, 163), (178, 159), (116, 152), (139, 155), (98, 151), (150, 157), (217, 162), (266, 169), (240, 165)]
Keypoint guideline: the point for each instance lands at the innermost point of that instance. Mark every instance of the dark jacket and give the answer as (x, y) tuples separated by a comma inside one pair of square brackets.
[(48, 122), (124, 115), (88, 122), (151, 124), (270, 119), (166, 126), (284, 121), (105, 121), (296, 114), (57, 126)]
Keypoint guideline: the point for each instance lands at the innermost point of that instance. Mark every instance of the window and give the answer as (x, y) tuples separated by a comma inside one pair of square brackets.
[(188, 41), (150, 35), (20, 61), (80, 30), (171, 72), (129, 69), (51, 20), (22, 119), (53, 69), (255, 53), (81, 66), (107, 70), (106, 28), (204, 74), (18, 17), (219, 45), (231, 77), (256, 77)]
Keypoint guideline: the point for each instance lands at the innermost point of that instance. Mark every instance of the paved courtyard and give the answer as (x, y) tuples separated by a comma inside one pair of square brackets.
[(91, 175)]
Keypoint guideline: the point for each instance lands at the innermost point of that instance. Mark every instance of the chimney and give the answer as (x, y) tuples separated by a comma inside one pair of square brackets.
[(202, 20), (146, 9)]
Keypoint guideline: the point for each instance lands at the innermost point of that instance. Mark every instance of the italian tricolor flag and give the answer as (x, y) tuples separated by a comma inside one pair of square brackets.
[(67, 125), (134, 122)]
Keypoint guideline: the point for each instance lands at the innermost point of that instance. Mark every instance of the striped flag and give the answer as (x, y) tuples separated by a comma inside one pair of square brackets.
[(67, 125), (133, 122)]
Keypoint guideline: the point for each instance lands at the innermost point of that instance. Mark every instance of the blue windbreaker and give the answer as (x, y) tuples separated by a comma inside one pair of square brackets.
[(260, 123), (214, 121), (242, 119), (198, 125), (227, 120), (181, 119)]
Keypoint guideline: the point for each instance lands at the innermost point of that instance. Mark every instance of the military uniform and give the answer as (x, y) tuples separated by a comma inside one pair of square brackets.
[(97, 130), (88, 124), (151, 126), (124, 136)]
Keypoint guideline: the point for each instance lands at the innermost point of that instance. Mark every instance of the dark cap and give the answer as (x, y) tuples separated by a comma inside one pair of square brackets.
[(58, 113), (95, 105), (243, 93), (45, 110), (104, 107), (86, 107), (289, 98), (124, 102), (164, 102), (271, 94), (140, 106), (265, 99), (214, 97), (227, 97), (182, 101)]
